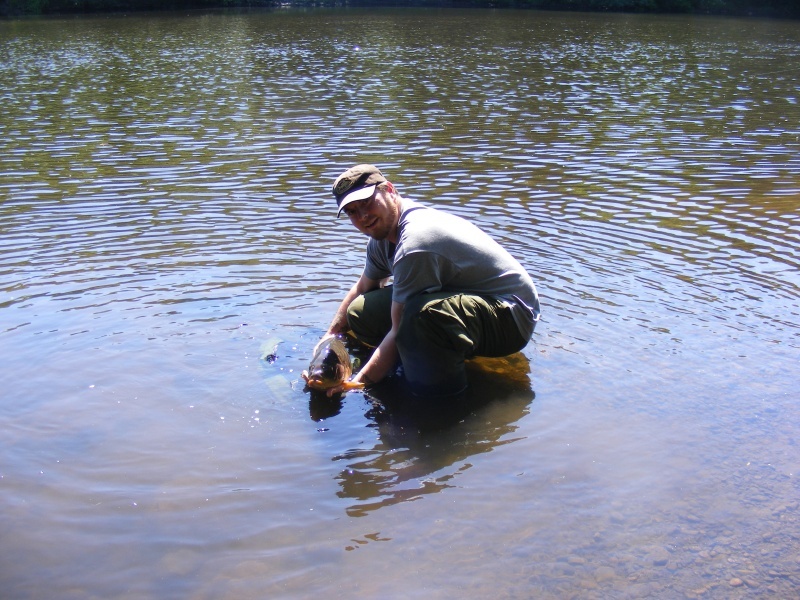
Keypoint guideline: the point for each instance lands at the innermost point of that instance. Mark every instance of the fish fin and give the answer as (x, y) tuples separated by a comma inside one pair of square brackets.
[(352, 385), (269, 350)]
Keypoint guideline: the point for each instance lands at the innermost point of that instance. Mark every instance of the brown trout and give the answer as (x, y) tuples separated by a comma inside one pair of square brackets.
[(330, 366)]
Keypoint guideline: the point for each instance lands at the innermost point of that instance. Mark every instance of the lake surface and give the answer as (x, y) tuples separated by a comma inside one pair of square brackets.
[(169, 255)]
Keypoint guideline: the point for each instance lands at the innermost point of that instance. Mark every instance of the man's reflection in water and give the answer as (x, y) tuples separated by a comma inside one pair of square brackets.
[(419, 439)]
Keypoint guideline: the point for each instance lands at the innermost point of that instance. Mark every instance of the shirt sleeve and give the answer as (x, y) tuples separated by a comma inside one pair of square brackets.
[(378, 264)]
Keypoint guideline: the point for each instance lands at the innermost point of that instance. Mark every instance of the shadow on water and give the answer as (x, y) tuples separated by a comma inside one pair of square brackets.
[(423, 444)]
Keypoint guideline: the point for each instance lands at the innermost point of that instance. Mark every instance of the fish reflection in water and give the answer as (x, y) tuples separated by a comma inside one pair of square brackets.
[(419, 439)]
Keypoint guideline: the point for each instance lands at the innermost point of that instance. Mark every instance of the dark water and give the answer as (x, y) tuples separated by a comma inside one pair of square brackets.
[(165, 224)]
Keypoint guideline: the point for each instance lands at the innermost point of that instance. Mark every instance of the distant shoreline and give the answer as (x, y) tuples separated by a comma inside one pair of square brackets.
[(779, 9)]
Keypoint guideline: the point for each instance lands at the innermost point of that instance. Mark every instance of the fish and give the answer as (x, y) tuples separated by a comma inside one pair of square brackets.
[(330, 366)]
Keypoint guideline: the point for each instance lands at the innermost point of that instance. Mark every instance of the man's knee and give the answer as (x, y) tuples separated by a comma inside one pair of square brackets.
[(369, 316)]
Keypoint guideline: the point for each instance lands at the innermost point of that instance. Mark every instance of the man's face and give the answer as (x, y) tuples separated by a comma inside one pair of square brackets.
[(376, 216)]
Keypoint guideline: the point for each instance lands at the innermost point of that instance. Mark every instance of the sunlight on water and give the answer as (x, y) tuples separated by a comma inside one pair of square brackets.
[(166, 218)]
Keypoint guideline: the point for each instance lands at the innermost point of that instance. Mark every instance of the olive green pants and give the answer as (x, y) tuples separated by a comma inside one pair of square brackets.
[(437, 333)]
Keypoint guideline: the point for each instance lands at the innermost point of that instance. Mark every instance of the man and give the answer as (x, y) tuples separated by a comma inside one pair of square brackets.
[(456, 292)]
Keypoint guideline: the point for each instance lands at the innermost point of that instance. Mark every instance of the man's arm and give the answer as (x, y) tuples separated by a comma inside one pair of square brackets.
[(382, 361), (363, 285)]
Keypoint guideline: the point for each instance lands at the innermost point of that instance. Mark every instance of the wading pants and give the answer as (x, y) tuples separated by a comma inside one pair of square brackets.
[(437, 333)]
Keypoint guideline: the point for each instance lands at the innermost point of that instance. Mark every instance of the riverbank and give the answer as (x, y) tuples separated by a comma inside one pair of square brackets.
[(749, 8)]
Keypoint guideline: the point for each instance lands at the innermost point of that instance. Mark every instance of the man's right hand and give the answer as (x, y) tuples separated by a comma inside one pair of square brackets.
[(339, 324)]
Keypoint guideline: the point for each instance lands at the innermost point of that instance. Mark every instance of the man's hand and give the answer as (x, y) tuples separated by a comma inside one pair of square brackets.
[(339, 324)]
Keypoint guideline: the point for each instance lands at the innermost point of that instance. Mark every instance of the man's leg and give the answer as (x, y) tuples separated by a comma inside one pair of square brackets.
[(440, 330), (370, 316)]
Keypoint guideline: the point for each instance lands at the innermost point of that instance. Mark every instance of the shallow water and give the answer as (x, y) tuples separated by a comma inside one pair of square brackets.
[(166, 230)]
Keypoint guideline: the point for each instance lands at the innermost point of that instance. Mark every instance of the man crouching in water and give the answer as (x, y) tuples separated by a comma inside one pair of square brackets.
[(456, 292)]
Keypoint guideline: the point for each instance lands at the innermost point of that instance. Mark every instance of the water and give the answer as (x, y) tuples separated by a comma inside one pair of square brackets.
[(165, 223)]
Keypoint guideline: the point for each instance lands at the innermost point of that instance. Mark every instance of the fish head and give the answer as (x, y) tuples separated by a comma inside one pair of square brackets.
[(330, 365)]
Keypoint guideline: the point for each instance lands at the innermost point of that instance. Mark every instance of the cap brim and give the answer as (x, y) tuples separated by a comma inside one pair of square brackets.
[(356, 195)]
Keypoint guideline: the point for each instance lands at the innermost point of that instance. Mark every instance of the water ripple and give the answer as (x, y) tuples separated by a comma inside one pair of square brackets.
[(608, 168), (164, 203)]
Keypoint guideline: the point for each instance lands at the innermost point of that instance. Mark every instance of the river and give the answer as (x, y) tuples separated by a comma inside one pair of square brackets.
[(169, 255)]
